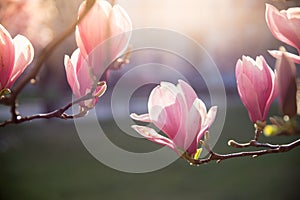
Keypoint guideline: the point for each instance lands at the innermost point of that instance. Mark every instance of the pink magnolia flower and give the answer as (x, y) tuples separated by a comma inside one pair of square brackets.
[(103, 22), (284, 25), (178, 112), (81, 80), (15, 55), (256, 86)]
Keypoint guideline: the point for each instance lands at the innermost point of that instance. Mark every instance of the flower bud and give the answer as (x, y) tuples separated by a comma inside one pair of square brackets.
[(256, 86)]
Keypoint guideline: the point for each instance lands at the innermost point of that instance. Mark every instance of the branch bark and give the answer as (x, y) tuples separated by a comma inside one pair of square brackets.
[(270, 149)]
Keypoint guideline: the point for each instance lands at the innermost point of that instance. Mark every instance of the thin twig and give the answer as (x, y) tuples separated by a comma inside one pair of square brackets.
[(59, 113), (252, 143), (271, 150)]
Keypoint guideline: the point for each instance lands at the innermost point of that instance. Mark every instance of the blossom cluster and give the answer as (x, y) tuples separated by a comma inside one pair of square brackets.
[(103, 35)]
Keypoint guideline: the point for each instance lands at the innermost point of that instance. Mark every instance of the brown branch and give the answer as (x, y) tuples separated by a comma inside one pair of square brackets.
[(59, 113), (271, 150), (252, 143)]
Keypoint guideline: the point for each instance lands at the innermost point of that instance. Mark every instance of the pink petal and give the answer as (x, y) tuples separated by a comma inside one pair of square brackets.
[(188, 93), (171, 121), (277, 54), (86, 79), (159, 98), (24, 54), (71, 73), (265, 85), (211, 116), (206, 119), (193, 125), (249, 97), (7, 56), (201, 133), (120, 31), (272, 94), (142, 118), (152, 135), (283, 28), (287, 86), (91, 31), (201, 109), (119, 20)]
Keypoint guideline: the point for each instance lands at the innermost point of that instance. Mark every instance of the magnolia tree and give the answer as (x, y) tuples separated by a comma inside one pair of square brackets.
[(176, 110)]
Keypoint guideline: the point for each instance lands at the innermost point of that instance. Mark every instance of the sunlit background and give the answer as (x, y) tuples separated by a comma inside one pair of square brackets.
[(46, 160)]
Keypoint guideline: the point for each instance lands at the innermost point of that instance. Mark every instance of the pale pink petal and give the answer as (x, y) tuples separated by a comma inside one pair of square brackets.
[(277, 54), (207, 120), (152, 135), (86, 79), (200, 135), (239, 68), (282, 28), (188, 93), (211, 116), (287, 85), (169, 86), (142, 118), (169, 119), (119, 20), (24, 54), (71, 73), (7, 56), (249, 97), (201, 109), (91, 30), (80, 43), (193, 125), (120, 30), (160, 97), (273, 93), (293, 13), (264, 83)]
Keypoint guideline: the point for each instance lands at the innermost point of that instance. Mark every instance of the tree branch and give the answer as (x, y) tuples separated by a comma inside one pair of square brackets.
[(271, 149), (59, 113)]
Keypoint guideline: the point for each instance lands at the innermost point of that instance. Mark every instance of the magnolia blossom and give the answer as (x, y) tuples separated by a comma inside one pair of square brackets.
[(287, 85), (284, 25), (81, 80), (256, 86), (103, 22), (178, 112), (15, 55)]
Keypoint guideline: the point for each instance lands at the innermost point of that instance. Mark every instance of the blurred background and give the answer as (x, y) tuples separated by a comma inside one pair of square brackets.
[(46, 159)]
